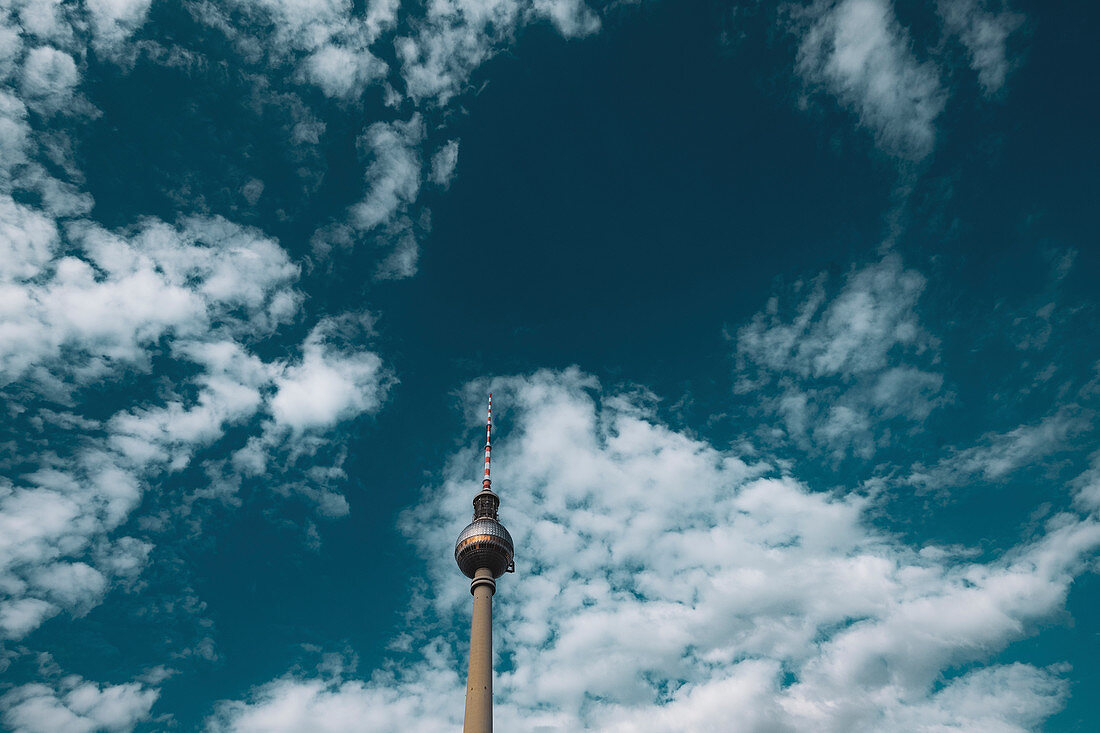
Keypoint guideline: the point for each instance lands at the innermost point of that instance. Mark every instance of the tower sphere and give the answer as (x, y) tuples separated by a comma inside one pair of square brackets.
[(485, 543)]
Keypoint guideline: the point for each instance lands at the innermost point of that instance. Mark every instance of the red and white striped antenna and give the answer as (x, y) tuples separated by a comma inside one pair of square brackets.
[(487, 483)]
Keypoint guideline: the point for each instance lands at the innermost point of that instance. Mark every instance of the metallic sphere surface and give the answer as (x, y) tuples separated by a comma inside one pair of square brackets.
[(485, 543)]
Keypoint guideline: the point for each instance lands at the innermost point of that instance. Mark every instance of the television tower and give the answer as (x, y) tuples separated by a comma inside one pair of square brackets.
[(484, 551)]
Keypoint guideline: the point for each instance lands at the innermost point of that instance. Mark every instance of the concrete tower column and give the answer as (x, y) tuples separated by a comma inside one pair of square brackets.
[(479, 681)]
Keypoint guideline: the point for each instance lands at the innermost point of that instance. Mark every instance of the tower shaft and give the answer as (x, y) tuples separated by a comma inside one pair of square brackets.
[(484, 551), (479, 680)]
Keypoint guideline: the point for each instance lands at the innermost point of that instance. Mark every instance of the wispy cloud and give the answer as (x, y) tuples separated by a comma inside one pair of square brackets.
[(847, 367), (326, 44), (454, 38), (997, 456), (416, 68), (444, 163), (857, 51), (983, 27)]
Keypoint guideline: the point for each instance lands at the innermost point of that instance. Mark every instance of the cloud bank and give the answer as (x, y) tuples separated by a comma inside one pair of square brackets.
[(664, 584)]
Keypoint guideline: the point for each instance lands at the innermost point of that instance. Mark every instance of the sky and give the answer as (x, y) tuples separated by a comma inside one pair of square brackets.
[(789, 311)]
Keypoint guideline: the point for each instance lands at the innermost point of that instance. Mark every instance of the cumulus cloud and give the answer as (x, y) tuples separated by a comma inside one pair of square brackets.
[(340, 72), (114, 21), (664, 584), (857, 51), (328, 43), (125, 293), (21, 616), (173, 311), (339, 48), (85, 306), (572, 18), (51, 519), (845, 366), (333, 704), (49, 78), (854, 334), (45, 20), (75, 705), (10, 45), (30, 236), (327, 385)]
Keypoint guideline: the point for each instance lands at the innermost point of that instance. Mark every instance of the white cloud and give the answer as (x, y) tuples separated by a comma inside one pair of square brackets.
[(847, 365), (663, 584), (868, 322), (907, 391), (201, 294), (457, 36), (114, 21), (73, 585), (1088, 487), (335, 705), (998, 455), (572, 18), (340, 72), (327, 385), (49, 79), (336, 47), (339, 48), (983, 27), (328, 42), (449, 43), (444, 163), (228, 393), (11, 44), (858, 52), (124, 294), (53, 514), (402, 260), (21, 616), (393, 182), (45, 19), (393, 175), (30, 239), (75, 705), (14, 136)]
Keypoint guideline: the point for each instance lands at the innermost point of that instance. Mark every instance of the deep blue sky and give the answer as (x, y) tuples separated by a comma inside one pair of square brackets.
[(650, 193)]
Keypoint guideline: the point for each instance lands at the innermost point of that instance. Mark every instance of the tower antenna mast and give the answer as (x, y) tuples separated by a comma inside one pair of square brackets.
[(486, 484)]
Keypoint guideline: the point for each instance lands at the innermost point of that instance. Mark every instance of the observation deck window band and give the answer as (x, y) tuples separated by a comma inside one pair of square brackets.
[(486, 527), (495, 538)]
